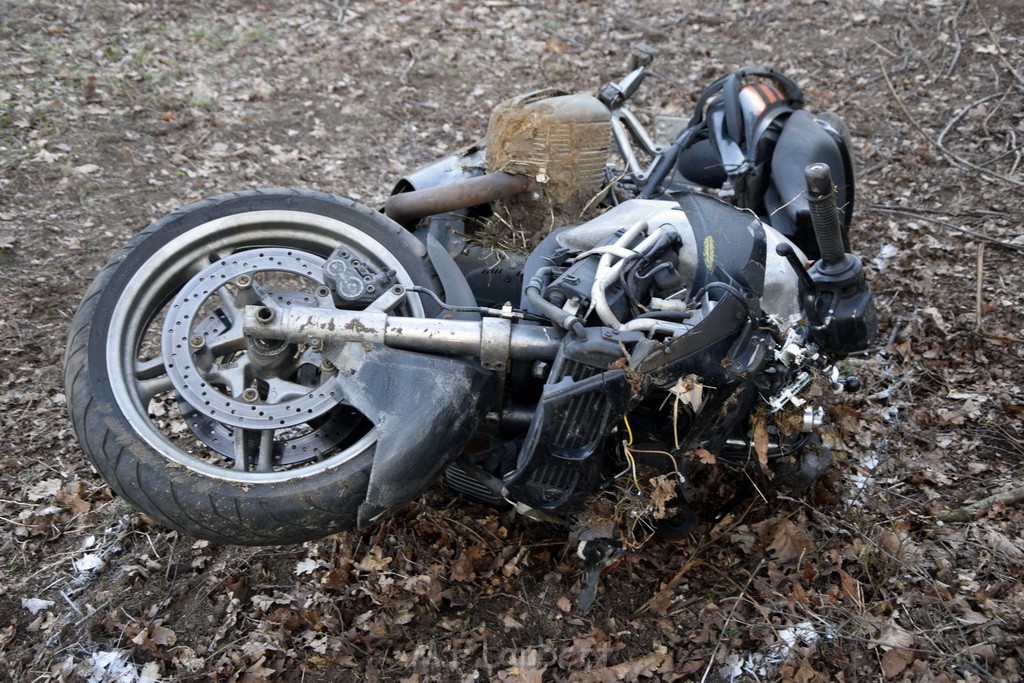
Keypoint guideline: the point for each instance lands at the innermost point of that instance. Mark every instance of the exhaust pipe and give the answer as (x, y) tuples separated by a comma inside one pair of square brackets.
[(407, 207)]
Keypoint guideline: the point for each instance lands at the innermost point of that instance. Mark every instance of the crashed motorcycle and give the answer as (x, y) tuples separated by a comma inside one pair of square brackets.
[(619, 332)]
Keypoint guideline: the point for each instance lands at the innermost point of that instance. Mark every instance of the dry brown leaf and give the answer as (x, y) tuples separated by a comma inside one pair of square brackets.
[(706, 456), (789, 542), (692, 667), (761, 440), (647, 665), (851, 588), (425, 584), (47, 488), (73, 502), (466, 564), (1005, 546), (527, 667), (895, 636), (895, 661), (151, 636), (967, 615), (986, 651), (663, 493), (335, 578), (257, 672), (7, 634), (374, 561), (805, 673), (161, 635), (661, 601)]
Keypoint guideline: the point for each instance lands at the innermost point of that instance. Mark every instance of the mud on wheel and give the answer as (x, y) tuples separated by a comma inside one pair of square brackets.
[(220, 436)]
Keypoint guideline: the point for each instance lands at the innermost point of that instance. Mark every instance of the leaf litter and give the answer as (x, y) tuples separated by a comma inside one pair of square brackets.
[(114, 114)]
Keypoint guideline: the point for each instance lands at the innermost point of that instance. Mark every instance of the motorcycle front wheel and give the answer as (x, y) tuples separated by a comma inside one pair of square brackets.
[(189, 421)]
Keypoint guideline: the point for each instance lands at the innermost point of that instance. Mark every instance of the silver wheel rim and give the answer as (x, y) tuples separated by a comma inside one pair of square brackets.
[(167, 271)]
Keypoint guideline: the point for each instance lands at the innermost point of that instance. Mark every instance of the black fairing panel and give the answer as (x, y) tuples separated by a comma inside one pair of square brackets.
[(425, 409), (560, 457), (727, 239)]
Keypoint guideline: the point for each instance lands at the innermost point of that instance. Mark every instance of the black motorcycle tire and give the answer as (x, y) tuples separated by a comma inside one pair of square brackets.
[(110, 424)]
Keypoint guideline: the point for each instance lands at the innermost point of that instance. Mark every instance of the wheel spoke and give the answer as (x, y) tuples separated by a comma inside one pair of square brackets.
[(229, 342), (254, 447), (243, 448), (265, 460), (233, 303), (151, 388), (148, 369), (231, 376), (151, 379), (230, 301)]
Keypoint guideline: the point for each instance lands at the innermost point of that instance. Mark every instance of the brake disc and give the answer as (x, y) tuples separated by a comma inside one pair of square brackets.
[(291, 446), (209, 362)]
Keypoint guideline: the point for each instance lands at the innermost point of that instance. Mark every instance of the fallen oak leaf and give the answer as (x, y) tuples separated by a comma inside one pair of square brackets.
[(761, 439), (47, 488), (151, 636), (74, 502), (374, 561), (789, 542), (851, 588), (895, 636), (466, 564), (161, 635), (88, 562), (306, 566)]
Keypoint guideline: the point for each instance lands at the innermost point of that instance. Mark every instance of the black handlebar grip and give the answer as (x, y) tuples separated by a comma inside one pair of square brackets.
[(821, 196)]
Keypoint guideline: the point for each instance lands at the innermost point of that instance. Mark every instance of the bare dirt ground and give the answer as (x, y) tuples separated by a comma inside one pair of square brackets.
[(113, 113)]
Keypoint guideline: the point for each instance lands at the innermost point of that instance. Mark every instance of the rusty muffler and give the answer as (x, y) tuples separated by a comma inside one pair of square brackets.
[(411, 206)]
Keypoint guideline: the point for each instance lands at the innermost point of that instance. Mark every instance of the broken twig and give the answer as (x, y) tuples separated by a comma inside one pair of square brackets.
[(995, 44), (946, 224), (971, 512), (956, 159), (977, 291)]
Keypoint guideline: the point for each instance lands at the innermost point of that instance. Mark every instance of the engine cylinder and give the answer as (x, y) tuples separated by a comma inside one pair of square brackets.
[(563, 141)]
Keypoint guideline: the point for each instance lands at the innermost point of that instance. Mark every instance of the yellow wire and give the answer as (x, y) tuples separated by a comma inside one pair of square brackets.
[(629, 430), (632, 466)]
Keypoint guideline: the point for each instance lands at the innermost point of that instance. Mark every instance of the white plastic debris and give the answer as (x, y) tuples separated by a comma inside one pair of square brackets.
[(36, 605), (88, 562)]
